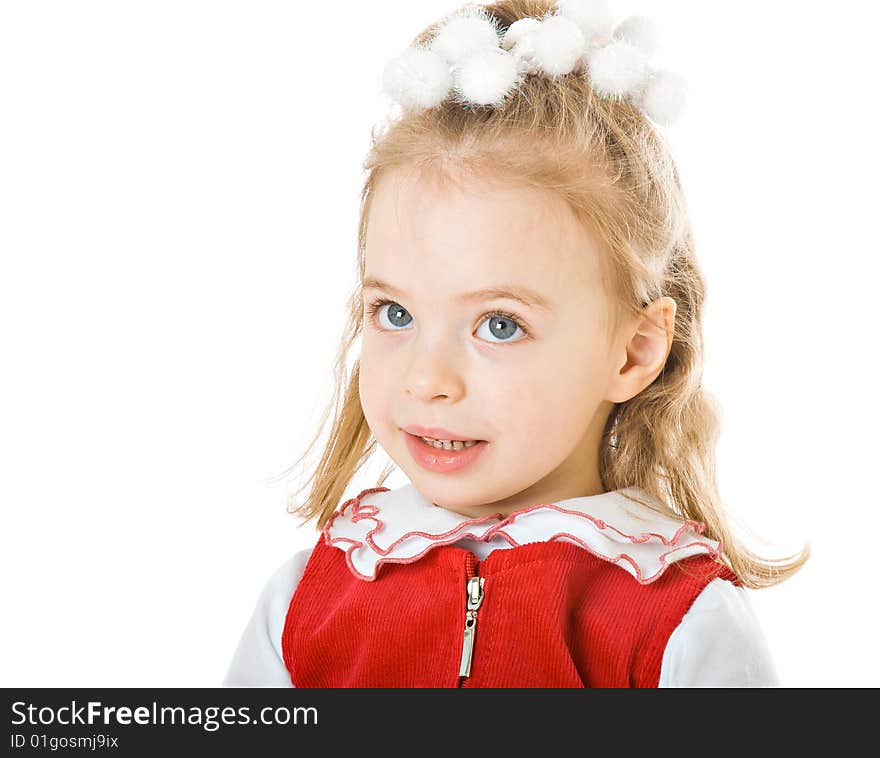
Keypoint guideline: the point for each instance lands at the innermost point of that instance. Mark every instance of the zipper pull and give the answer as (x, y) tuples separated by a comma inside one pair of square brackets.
[(474, 592)]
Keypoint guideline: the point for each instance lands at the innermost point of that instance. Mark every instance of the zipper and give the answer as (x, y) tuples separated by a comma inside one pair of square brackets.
[(474, 598)]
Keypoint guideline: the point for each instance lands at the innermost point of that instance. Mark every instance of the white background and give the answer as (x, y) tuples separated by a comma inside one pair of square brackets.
[(178, 205)]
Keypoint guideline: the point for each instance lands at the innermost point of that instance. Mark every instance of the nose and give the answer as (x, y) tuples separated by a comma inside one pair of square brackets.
[(433, 370)]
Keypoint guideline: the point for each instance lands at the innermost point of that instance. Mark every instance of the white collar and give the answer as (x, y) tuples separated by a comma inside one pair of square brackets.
[(380, 525)]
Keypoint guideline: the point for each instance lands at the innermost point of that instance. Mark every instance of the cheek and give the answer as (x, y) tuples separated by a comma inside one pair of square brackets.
[(370, 388), (515, 403), (553, 403)]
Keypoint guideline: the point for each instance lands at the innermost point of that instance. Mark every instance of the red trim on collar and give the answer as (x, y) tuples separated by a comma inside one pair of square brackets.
[(360, 512)]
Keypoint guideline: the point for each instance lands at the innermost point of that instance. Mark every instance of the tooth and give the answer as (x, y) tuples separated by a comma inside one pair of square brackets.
[(449, 444)]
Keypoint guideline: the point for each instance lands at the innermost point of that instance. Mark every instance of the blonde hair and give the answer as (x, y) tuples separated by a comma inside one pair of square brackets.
[(606, 160)]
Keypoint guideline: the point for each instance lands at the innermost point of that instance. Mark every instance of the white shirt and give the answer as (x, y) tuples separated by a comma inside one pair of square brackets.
[(718, 643)]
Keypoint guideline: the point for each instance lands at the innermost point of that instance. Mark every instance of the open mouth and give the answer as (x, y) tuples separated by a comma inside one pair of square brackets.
[(444, 456), (448, 444)]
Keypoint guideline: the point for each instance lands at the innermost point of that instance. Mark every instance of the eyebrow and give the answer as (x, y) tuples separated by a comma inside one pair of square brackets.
[(511, 292)]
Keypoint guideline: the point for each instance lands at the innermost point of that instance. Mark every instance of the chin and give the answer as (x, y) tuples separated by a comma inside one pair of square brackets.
[(459, 494)]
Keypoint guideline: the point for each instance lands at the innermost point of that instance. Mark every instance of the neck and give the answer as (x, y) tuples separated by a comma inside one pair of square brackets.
[(543, 491)]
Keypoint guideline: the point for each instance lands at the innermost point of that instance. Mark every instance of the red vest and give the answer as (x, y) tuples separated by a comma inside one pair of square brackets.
[(551, 614)]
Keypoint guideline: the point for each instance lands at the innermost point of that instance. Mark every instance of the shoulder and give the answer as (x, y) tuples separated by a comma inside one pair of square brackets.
[(275, 596), (279, 588), (719, 643), (258, 660)]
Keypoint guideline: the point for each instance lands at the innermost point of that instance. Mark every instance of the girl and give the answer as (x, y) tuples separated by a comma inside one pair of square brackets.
[(530, 306)]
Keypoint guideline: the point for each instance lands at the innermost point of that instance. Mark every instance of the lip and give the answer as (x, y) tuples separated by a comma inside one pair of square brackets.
[(443, 461), (435, 432)]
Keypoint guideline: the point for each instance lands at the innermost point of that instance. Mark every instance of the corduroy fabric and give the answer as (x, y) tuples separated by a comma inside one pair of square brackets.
[(553, 615)]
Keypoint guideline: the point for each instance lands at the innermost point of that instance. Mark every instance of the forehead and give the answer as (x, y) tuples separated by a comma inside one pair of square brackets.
[(438, 234)]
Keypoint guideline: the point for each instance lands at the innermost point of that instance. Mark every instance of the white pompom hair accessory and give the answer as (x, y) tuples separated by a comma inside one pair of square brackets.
[(473, 60)]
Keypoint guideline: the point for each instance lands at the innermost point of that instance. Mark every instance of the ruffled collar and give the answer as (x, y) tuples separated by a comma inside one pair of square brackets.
[(381, 525)]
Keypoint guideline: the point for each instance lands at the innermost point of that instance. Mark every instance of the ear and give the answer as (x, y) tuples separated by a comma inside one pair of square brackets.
[(642, 350)]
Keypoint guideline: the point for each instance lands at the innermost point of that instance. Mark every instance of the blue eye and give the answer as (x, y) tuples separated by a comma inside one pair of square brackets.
[(397, 316), (501, 325)]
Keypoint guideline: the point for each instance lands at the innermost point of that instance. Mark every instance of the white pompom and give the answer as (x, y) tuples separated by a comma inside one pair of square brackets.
[(463, 36), (640, 32), (486, 77), (594, 18), (520, 40), (618, 69), (664, 98), (558, 45), (417, 78), (524, 52), (519, 29)]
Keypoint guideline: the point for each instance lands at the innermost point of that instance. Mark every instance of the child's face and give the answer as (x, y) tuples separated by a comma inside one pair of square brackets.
[(537, 394)]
